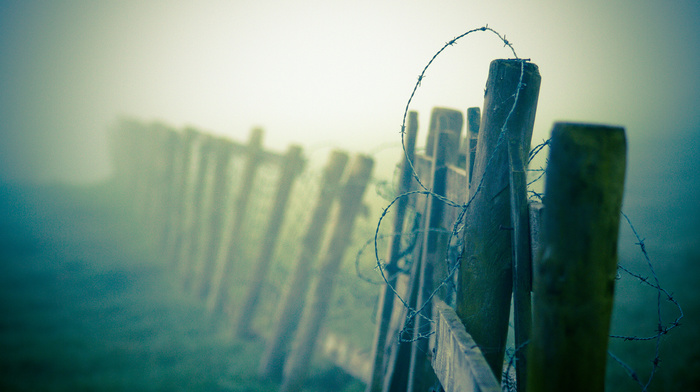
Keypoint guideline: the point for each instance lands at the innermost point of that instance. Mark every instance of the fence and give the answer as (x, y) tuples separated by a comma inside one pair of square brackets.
[(202, 200), (480, 235), (466, 244)]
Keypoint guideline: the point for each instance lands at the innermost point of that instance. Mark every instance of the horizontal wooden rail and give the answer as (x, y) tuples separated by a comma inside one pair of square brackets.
[(457, 360)]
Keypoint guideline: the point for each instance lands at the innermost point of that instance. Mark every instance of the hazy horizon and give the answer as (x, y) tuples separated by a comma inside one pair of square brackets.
[(322, 74)]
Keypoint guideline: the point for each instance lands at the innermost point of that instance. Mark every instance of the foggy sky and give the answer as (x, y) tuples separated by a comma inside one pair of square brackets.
[(326, 73)]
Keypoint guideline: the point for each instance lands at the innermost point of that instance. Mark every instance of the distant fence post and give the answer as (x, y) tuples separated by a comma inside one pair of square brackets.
[(292, 302), (181, 170), (190, 151), (446, 125), (485, 276), (144, 171), (473, 124), (194, 207), (350, 201), (292, 166), (385, 307), (214, 213), (220, 281), (169, 140), (574, 276)]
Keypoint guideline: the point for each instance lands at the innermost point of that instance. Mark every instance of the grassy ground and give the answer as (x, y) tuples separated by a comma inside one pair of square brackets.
[(85, 305)]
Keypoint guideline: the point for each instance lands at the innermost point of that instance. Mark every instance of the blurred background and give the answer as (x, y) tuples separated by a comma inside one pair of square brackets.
[(321, 73), (338, 74)]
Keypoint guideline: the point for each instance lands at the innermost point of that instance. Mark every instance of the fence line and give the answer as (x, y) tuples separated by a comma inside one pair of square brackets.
[(292, 167), (182, 184), (208, 183), (293, 301), (350, 201), (412, 309)]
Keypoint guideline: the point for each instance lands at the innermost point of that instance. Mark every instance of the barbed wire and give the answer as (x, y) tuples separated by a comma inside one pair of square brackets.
[(458, 225), (449, 43), (661, 328), (408, 331)]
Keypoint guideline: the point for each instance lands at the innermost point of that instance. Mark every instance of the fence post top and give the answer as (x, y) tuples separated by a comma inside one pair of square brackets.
[(592, 135), (529, 66), (564, 126)]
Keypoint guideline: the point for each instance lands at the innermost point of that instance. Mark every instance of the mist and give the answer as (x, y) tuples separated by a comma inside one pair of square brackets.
[(324, 75), (338, 75)]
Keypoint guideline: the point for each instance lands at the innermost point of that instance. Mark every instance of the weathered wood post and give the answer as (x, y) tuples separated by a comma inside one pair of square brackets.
[(294, 297), (119, 146), (485, 276), (159, 154), (221, 279), (142, 190), (181, 170), (148, 189), (473, 124), (188, 165), (194, 207), (518, 151), (448, 125), (574, 276), (458, 362), (168, 140), (297, 366), (292, 166), (385, 307), (213, 223)]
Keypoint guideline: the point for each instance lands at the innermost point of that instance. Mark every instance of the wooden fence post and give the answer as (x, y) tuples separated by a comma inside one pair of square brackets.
[(189, 152), (385, 307), (350, 201), (119, 146), (160, 154), (473, 124), (221, 279), (212, 227), (181, 169), (194, 207), (518, 152), (168, 141), (143, 165), (485, 276), (292, 302), (292, 166), (448, 125), (574, 276)]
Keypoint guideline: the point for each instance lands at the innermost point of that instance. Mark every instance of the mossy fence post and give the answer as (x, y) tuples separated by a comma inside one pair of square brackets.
[(574, 275), (385, 307), (218, 298), (297, 366), (292, 166), (486, 273), (292, 302)]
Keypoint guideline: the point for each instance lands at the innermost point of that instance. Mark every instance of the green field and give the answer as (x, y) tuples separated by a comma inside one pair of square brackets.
[(87, 305)]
